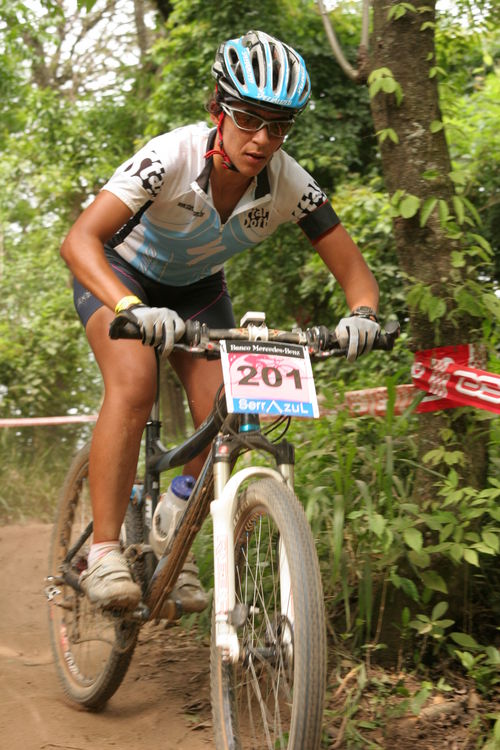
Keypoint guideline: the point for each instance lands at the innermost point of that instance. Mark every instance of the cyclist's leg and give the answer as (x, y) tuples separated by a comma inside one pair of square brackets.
[(208, 301), (200, 379), (129, 374)]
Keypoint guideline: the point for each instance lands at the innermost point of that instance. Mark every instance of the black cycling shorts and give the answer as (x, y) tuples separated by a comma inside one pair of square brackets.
[(206, 300)]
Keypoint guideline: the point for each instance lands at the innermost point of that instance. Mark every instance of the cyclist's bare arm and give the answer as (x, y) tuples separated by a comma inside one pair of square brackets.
[(343, 258), (83, 248)]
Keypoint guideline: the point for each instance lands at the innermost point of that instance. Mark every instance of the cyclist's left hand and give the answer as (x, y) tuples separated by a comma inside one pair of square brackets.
[(357, 335)]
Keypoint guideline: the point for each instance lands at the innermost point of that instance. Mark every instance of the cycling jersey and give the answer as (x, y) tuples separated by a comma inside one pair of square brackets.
[(175, 235)]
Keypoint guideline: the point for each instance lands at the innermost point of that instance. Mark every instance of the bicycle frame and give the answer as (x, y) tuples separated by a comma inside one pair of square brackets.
[(223, 430)]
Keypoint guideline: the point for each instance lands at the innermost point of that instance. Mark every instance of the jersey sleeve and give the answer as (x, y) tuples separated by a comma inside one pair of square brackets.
[(318, 221), (307, 202), (138, 180)]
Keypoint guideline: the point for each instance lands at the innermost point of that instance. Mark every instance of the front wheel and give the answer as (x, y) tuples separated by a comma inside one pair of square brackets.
[(92, 649), (273, 697)]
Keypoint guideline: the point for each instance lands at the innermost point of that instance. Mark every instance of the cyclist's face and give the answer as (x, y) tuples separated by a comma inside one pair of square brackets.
[(250, 150)]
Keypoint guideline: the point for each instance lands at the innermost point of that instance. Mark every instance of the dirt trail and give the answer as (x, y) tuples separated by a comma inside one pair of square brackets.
[(163, 702)]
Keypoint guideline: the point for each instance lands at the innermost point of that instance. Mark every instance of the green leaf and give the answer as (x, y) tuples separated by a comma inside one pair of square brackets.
[(436, 126), (377, 524), (388, 133), (484, 548), (493, 655), (439, 610), (444, 211), (473, 212), (409, 206), (491, 540), (458, 178), (477, 237), (434, 581), (458, 259), (375, 87), (457, 552), (413, 538), (419, 699), (496, 732), (409, 588), (420, 559), (458, 205), (389, 85), (443, 624), (466, 641), (426, 210), (471, 556)]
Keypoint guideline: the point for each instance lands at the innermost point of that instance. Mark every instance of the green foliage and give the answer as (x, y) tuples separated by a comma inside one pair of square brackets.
[(480, 662), (33, 476), (55, 156), (382, 80), (470, 99), (376, 545)]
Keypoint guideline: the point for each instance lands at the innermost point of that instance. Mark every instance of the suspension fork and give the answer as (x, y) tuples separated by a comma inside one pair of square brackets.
[(228, 616)]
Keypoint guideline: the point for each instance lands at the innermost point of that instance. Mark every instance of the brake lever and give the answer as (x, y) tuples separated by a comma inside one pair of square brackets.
[(388, 336), (121, 327)]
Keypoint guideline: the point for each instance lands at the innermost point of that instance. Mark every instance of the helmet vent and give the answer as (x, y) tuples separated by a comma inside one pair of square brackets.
[(276, 74), (256, 67)]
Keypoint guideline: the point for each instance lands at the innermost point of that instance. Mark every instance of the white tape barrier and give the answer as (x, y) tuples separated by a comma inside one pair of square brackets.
[(45, 421)]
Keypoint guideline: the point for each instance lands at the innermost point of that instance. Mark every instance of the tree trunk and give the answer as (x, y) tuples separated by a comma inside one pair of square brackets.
[(419, 164)]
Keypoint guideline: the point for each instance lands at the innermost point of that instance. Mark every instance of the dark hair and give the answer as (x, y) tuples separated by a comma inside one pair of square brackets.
[(213, 104)]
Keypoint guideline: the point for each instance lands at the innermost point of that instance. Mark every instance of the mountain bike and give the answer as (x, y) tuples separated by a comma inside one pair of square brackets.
[(268, 644)]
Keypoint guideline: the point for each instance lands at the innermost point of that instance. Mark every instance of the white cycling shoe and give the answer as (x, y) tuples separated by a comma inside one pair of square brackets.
[(108, 583), (188, 589)]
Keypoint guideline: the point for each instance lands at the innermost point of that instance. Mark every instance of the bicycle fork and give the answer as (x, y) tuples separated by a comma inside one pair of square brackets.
[(228, 614)]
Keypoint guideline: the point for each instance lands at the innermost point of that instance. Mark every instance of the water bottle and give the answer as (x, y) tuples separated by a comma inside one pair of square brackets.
[(171, 506)]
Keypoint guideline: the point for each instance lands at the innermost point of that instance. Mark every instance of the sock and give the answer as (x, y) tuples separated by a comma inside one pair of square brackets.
[(99, 550)]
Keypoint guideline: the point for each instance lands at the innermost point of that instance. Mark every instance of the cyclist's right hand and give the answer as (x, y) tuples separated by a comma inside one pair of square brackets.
[(158, 326)]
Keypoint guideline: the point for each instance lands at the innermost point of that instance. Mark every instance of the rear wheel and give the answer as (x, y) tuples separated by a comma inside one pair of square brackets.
[(92, 649), (273, 697)]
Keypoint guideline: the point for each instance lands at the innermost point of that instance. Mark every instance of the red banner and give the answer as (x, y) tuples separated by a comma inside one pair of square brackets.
[(451, 378), (373, 401)]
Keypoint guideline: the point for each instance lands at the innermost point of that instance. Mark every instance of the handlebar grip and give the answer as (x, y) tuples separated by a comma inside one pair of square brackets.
[(388, 336), (122, 327)]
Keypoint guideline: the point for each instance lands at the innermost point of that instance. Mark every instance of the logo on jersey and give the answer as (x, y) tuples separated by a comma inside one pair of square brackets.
[(257, 218), (310, 200), (190, 207), (150, 171)]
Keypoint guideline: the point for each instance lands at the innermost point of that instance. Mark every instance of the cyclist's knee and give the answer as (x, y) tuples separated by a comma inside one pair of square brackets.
[(134, 388)]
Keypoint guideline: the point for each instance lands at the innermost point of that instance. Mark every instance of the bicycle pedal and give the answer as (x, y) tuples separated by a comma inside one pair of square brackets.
[(51, 592), (171, 611)]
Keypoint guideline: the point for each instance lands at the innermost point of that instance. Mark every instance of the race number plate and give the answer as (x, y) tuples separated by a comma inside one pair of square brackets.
[(268, 378)]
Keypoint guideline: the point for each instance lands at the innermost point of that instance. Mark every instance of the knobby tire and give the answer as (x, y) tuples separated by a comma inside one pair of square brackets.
[(92, 650)]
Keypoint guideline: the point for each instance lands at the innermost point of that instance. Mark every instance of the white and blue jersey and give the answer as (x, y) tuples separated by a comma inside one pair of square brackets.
[(175, 235)]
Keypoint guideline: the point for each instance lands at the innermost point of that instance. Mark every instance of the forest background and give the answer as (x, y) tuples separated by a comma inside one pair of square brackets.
[(404, 508)]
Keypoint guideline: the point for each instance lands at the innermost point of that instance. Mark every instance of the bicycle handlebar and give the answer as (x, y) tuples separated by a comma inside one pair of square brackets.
[(200, 339)]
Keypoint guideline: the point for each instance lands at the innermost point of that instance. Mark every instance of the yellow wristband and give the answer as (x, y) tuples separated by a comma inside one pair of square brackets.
[(125, 302)]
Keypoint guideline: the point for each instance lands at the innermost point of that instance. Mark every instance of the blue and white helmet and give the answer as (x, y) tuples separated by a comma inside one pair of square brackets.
[(259, 69)]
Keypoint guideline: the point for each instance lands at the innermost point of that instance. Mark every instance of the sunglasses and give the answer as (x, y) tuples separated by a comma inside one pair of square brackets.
[(251, 123)]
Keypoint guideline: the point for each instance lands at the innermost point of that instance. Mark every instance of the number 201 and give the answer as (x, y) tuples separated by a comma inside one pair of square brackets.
[(271, 376)]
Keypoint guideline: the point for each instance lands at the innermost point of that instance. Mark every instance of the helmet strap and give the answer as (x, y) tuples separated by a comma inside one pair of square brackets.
[(226, 161)]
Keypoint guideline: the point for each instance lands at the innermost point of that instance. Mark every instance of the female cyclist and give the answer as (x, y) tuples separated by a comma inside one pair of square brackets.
[(154, 243)]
